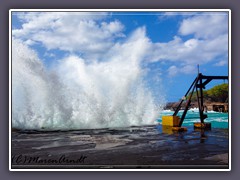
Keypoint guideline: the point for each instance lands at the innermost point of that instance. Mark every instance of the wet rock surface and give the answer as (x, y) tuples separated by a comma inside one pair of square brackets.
[(133, 147)]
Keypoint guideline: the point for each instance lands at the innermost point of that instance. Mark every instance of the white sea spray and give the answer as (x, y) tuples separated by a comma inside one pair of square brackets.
[(78, 95)]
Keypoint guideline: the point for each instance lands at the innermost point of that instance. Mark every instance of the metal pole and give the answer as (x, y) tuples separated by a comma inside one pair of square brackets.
[(188, 103), (198, 100), (179, 106), (201, 100)]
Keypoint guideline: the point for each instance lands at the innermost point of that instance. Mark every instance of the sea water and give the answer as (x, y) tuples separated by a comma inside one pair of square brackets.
[(217, 119)]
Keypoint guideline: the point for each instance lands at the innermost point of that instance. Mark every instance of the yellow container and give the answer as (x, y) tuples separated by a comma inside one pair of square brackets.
[(167, 129), (170, 120)]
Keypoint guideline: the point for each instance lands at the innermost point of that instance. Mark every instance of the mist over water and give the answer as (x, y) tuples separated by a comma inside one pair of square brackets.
[(77, 95)]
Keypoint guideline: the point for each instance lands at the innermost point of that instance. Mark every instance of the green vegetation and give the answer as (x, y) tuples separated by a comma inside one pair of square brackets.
[(218, 93)]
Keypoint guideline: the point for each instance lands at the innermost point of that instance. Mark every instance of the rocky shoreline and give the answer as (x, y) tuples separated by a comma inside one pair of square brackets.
[(208, 106)]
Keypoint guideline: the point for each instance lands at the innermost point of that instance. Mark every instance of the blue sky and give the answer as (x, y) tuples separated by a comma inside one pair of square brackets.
[(168, 45)]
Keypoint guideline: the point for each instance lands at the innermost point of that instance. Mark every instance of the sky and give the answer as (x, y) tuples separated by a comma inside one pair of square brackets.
[(167, 45)]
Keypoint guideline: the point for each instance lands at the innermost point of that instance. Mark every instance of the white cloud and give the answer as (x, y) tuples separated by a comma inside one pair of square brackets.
[(205, 26), (113, 27), (191, 51), (29, 42), (188, 69), (173, 14), (185, 69), (81, 32), (209, 41), (26, 17), (221, 63), (90, 35), (52, 55), (172, 71), (184, 14)]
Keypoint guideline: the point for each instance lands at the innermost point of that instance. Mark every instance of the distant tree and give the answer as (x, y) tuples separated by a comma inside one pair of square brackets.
[(194, 96), (218, 93)]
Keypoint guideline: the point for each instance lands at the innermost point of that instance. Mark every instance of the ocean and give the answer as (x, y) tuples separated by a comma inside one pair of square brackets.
[(217, 119)]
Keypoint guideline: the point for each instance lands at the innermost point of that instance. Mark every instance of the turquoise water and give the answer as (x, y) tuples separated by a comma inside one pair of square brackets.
[(218, 120)]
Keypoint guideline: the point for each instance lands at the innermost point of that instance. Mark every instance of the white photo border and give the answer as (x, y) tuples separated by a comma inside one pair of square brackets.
[(118, 10)]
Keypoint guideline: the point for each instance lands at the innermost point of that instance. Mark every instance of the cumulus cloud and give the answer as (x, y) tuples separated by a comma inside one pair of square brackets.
[(172, 70), (185, 69), (190, 51), (205, 26), (96, 36), (209, 40), (173, 14), (221, 63), (83, 32)]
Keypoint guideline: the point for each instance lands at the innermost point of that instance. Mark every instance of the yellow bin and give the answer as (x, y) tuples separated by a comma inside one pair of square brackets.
[(170, 120)]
